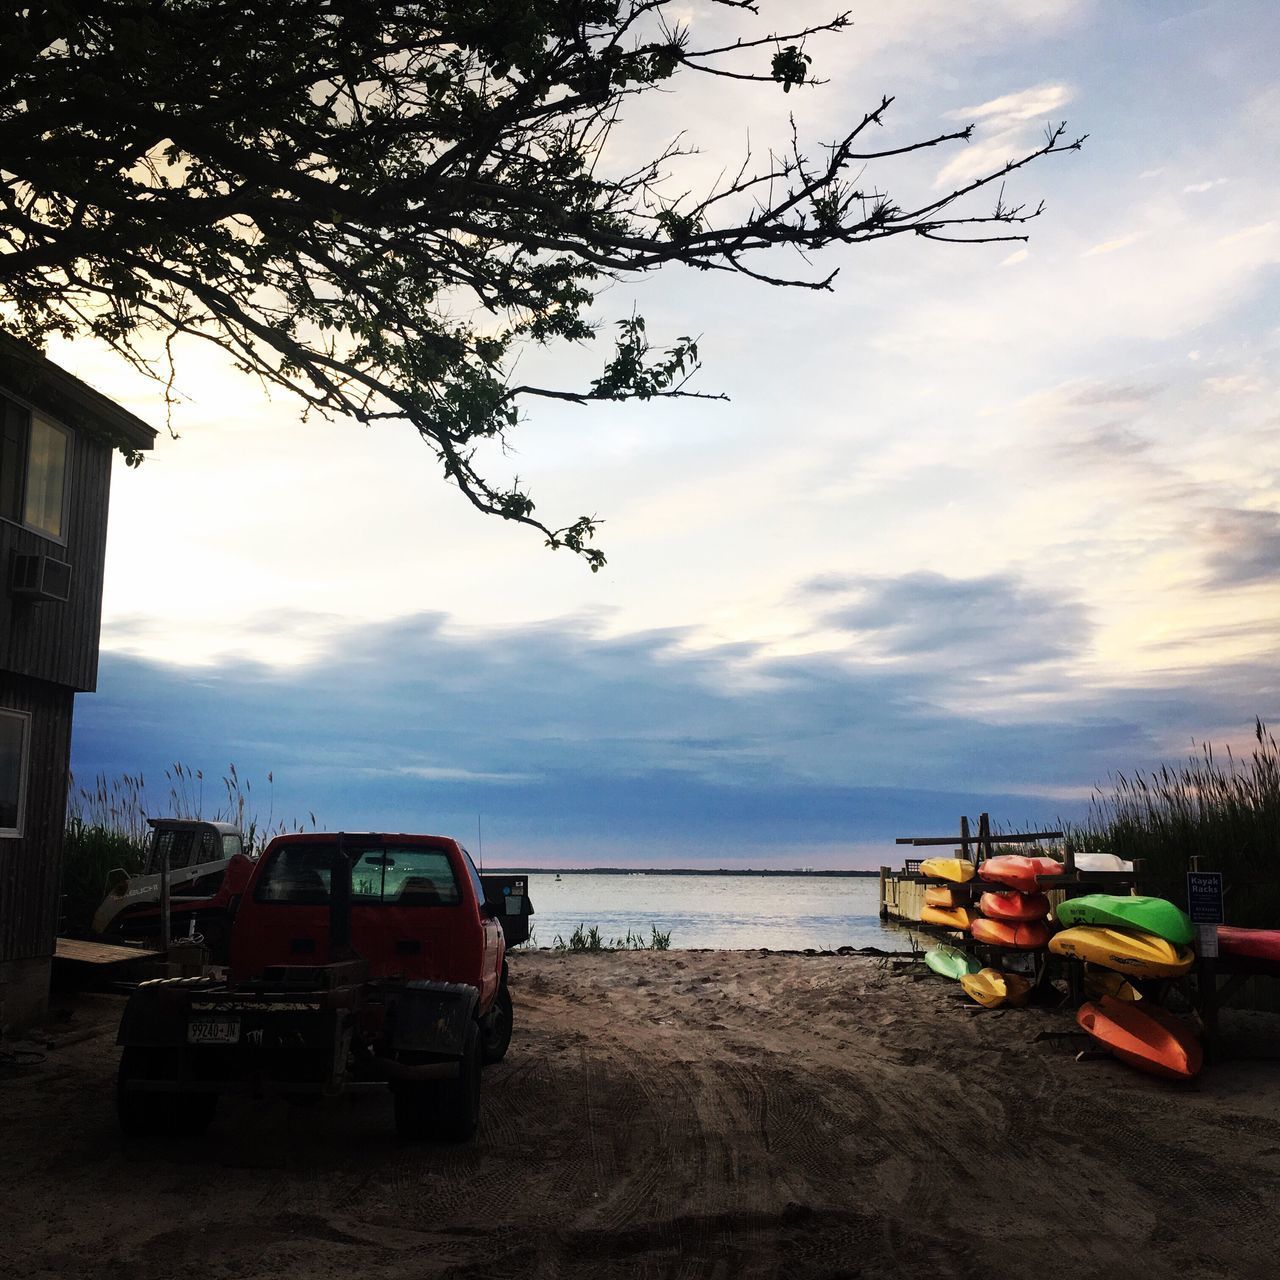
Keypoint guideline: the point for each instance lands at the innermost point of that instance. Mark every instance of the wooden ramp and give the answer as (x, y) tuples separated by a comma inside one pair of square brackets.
[(84, 951)]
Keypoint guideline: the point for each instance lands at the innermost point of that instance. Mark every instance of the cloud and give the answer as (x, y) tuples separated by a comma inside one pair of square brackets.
[(1196, 188), (1005, 129), (1011, 108), (1244, 548), (566, 738), (1110, 246), (995, 623)]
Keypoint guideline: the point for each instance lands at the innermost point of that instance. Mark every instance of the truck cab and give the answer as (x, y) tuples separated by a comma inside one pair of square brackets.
[(417, 911)]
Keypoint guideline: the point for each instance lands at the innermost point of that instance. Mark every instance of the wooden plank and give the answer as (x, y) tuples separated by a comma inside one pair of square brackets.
[(1021, 837), (83, 951)]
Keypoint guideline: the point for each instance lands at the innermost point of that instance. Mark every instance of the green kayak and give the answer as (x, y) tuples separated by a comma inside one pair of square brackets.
[(950, 962), (1111, 910)]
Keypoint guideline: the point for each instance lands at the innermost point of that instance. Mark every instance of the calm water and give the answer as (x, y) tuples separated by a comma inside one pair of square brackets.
[(733, 912)]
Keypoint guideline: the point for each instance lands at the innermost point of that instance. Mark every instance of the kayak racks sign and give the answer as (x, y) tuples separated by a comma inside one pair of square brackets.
[(1204, 906)]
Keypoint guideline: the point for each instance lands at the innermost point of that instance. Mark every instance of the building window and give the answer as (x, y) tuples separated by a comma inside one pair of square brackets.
[(15, 739), (33, 470)]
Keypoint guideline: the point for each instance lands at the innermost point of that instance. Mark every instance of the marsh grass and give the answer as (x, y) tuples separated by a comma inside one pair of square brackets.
[(1215, 806), (106, 827), (585, 938)]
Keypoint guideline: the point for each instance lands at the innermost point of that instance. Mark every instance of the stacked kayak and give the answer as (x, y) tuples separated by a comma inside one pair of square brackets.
[(1016, 907), (959, 918), (1014, 910), (1115, 911), (1106, 982), (1143, 1035), (950, 962), (957, 870), (946, 896), (1249, 944), (992, 988), (1029, 936), (1130, 952), (1013, 871)]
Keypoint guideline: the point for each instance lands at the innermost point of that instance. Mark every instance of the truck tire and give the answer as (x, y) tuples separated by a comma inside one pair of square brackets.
[(458, 1101), (497, 1033), (141, 1115), (415, 1110), (144, 1114)]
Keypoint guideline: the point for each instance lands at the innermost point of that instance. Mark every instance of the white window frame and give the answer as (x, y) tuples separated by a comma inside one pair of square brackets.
[(24, 770)]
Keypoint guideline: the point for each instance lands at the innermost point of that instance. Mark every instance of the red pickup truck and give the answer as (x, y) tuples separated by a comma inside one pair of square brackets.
[(357, 960)]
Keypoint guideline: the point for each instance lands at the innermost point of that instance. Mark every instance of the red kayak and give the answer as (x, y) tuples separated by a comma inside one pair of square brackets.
[(1014, 906), (1016, 872), (1025, 936), (1249, 944), (1145, 1036)]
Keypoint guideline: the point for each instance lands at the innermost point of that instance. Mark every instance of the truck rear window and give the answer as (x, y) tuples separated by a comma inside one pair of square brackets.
[(405, 876)]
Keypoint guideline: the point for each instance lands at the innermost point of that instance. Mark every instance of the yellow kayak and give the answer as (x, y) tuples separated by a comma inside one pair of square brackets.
[(948, 918), (1128, 951), (992, 988), (957, 870), (1103, 982), (943, 895)]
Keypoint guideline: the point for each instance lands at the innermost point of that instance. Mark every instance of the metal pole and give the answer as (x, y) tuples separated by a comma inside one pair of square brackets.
[(166, 923)]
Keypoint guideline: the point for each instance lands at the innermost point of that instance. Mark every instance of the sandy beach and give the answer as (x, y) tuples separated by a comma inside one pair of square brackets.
[(679, 1114)]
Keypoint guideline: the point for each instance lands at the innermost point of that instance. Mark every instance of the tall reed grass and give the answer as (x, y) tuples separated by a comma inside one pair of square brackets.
[(106, 827), (1221, 809)]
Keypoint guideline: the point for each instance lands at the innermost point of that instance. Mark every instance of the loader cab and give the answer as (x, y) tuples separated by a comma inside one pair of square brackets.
[(190, 843)]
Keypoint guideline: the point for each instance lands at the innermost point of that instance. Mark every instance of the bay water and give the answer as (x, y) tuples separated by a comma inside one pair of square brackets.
[(729, 912)]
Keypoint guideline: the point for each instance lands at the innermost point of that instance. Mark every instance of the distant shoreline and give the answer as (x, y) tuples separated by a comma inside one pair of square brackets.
[(807, 873)]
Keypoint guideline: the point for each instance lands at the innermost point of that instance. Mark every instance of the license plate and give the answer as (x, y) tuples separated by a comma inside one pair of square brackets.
[(213, 1031)]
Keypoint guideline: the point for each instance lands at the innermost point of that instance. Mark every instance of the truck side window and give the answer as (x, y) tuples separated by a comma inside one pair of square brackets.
[(475, 878)]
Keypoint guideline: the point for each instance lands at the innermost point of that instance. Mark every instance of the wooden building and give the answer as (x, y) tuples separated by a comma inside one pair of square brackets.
[(55, 479)]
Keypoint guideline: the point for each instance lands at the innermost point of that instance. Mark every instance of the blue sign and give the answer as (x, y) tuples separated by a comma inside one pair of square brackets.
[(1204, 897)]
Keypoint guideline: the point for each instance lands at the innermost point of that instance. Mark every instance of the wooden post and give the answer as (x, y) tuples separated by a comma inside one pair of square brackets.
[(884, 887), (964, 837)]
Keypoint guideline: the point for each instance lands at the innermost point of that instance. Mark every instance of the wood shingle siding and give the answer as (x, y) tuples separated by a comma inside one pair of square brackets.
[(31, 864), (52, 640)]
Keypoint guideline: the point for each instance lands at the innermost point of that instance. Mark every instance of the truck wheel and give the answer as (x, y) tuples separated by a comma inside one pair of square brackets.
[(497, 1034), (144, 1114), (458, 1101), (415, 1110), (141, 1115)]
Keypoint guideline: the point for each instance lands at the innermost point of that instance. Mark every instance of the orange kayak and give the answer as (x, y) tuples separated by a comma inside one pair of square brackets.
[(1145, 1036), (1031, 935), (940, 895), (1017, 872), (955, 918), (1014, 906)]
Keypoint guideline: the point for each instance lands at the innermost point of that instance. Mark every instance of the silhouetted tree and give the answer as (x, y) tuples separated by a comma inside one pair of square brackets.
[(375, 205)]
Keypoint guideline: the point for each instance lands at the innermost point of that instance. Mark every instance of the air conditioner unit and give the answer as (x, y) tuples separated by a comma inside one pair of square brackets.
[(39, 578)]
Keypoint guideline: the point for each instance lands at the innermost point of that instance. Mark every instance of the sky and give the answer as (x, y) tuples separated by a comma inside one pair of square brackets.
[(976, 530)]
